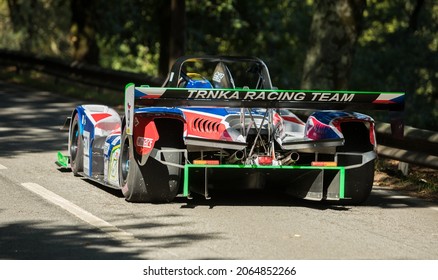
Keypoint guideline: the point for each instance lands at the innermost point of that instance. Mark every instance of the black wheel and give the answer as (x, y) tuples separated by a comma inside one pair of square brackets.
[(76, 148), (358, 181), (153, 181)]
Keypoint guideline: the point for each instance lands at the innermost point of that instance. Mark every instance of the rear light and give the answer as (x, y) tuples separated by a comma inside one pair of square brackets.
[(265, 160)]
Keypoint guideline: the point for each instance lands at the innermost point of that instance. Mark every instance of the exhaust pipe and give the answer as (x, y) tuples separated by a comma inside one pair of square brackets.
[(236, 157), (290, 159)]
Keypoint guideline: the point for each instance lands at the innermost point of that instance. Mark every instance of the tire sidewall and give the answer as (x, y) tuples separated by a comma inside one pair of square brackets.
[(76, 157)]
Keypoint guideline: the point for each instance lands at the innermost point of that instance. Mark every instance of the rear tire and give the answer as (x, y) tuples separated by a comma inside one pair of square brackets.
[(152, 182), (76, 147)]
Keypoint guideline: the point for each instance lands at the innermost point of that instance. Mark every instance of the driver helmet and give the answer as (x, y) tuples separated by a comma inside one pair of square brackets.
[(197, 81)]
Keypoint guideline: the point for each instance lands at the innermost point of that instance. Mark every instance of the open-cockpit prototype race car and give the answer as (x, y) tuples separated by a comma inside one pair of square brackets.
[(218, 122)]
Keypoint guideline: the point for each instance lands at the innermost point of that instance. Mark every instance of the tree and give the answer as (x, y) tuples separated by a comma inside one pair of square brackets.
[(335, 28), (397, 51), (23, 21), (82, 31), (172, 33), (275, 31), (35, 26)]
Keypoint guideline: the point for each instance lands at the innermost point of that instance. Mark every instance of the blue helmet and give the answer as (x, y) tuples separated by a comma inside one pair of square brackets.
[(197, 81)]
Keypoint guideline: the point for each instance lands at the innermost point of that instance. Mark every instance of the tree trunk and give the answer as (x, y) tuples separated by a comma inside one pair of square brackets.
[(18, 20), (413, 19), (163, 63), (22, 20), (172, 42), (335, 28), (83, 33)]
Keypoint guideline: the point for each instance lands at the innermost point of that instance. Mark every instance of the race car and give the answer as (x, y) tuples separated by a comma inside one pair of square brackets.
[(217, 122)]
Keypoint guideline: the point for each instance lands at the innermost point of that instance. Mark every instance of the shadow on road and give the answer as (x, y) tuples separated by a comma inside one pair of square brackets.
[(378, 198), (391, 199), (38, 241), (115, 192), (30, 120), (30, 240)]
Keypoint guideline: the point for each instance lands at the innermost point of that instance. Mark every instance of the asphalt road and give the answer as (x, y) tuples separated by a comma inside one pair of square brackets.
[(46, 213)]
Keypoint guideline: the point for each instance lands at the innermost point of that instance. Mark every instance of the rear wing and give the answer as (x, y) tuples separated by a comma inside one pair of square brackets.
[(145, 96)]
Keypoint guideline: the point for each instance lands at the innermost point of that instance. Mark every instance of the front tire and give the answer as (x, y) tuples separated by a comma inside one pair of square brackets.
[(152, 182), (76, 147)]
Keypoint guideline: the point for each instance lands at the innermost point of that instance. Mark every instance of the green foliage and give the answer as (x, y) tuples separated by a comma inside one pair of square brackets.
[(275, 31), (36, 26), (128, 34), (396, 54)]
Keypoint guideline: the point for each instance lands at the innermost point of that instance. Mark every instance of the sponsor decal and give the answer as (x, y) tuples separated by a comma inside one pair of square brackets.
[(272, 95), (218, 76), (128, 122), (144, 142), (113, 168), (87, 162), (106, 148), (86, 137)]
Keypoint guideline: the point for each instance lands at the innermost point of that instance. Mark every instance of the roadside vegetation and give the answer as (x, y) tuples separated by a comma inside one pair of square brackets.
[(419, 182)]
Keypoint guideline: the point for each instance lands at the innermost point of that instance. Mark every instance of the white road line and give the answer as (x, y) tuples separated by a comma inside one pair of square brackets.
[(87, 217), (81, 213), (3, 167)]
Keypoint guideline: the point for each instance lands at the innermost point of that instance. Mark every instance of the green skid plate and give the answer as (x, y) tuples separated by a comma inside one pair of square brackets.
[(339, 185), (63, 161)]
